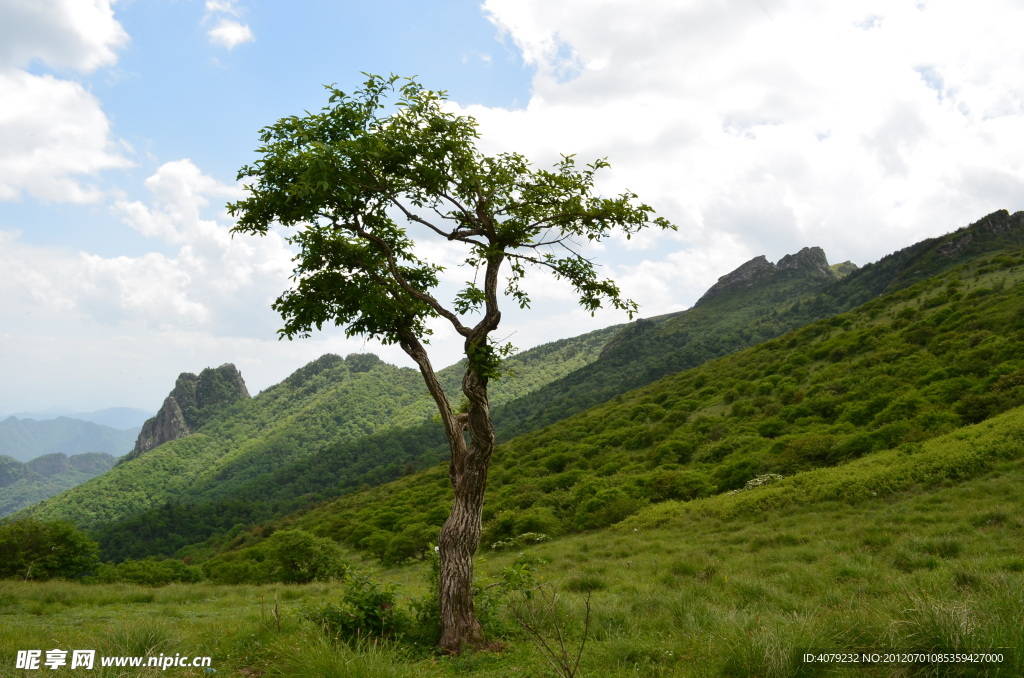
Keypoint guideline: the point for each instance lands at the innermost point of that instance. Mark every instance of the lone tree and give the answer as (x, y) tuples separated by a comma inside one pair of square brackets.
[(345, 177)]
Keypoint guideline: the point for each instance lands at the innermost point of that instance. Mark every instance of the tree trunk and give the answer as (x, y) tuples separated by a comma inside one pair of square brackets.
[(459, 539), (460, 535)]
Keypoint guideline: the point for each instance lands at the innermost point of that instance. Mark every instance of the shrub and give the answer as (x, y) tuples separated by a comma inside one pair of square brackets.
[(681, 485), (34, 549), (149, 572), (366, 611), (606, 508), (298, 557), (672, 452)]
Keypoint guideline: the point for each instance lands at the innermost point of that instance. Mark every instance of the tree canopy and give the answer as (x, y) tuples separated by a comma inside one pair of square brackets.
[(349, 172)]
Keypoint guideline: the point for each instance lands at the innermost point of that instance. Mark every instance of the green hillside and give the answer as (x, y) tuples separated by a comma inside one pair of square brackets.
[(415, 441), (259, 457), (338, 425), (891, 374), (918, 553), (25, 484)]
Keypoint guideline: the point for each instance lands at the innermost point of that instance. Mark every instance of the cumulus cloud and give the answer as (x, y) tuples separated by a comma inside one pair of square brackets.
[(78, 34), (767, 127), (54, 135), (230, 33), (208, 281), (203, 301), (227, 32), (213, 281)]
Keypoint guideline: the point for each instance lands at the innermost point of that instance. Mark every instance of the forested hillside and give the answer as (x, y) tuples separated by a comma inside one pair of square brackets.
[(332, 425), (891, 374), (24, 484), (416, 441), (337, 425)]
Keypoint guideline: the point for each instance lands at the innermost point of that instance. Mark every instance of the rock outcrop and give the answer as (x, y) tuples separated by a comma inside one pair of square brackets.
[(808, 263), (193, 401)]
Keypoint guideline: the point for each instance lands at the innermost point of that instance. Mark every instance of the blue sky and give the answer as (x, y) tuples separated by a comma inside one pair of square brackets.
[(758, 127)]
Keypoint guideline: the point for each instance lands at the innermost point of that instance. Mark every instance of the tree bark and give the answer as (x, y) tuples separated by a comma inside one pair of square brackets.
[(460, 535), (459, 539)]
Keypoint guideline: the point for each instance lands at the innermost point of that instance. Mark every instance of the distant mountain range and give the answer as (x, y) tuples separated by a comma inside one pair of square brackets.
[(120, 418), (26, 439)]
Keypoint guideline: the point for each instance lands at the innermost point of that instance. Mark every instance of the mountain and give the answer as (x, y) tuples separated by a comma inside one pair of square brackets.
[(121, 418), (808, 264), (193, 402), (756, 302), (780, 296), (25, 439), (23, 484), (875, 383), (324, 411)]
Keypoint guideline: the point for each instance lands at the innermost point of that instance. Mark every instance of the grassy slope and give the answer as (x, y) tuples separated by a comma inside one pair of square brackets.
[(737, 585), (896, 372), (274, 454)]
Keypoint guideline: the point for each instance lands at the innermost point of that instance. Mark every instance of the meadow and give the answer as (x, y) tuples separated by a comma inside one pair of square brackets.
[(733, 585)]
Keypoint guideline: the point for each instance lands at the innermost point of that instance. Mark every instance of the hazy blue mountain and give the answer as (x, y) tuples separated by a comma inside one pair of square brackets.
[(121, 418), (26, 439)]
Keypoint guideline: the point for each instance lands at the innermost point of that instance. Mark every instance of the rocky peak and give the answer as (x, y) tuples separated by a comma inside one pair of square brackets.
[(194, 399), (809, 263), (810, 259)]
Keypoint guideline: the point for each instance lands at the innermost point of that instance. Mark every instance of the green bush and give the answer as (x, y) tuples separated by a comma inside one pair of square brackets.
[(149, 572), (34, 549), (291, 556), (366, 611), (298, 557), (606, 508)]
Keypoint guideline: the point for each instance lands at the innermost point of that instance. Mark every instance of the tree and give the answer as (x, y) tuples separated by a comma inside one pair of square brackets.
[(34, 549), (298, 557), (345, 177)]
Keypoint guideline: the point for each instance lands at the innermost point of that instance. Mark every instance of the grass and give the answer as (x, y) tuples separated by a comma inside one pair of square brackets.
[(733, 586)]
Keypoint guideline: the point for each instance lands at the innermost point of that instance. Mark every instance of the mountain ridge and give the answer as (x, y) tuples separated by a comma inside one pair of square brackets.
[(810, 261), (23, 484)]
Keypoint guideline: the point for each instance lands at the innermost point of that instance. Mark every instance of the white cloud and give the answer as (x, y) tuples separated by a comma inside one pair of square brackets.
[(52, 133), (211, 282), (78, 34), (230, 34), (227, 32), (764, 128), (148, 317)]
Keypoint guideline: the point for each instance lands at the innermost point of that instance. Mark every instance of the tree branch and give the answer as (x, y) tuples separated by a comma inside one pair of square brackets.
[(399, 278)]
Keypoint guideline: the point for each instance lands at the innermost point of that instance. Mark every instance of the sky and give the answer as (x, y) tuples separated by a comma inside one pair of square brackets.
[(758, 127)]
